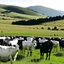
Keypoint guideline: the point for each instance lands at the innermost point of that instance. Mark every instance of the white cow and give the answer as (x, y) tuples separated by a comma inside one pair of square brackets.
[(55, 44), (7, 52), (29, 45), (42, 40)]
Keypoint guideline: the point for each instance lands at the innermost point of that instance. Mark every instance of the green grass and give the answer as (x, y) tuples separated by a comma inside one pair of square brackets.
[(8, 29), (1, 10), (12, 16), (25, 16), (36, 55)]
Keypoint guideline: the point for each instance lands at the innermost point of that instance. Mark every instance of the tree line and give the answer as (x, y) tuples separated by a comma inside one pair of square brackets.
[(38, 21)]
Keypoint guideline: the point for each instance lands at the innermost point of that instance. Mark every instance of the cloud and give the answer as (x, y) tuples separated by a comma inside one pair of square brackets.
[(55, 4)]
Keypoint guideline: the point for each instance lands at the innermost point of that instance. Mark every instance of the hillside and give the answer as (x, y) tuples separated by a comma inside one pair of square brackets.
[(15, 12), (45, 10), (18, 9)]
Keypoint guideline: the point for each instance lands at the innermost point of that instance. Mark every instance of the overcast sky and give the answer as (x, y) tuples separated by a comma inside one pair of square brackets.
[(55, 4)]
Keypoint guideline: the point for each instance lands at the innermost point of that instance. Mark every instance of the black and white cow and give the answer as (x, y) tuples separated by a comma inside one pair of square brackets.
[(28, 44), (45, 46)]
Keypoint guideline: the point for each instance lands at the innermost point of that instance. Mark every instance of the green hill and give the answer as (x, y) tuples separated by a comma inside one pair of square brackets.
[(18, 9), (13, 12)]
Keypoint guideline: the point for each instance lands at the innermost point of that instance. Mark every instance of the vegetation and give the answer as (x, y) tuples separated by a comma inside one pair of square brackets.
[(38, 21), (8, 16), (20, 10), (35, 59), (6, 28), (14, 12)]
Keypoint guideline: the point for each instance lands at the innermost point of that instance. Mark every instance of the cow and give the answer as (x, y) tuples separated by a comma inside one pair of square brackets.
[(28, 44), (8, 50), (61, 43), (45, 47)]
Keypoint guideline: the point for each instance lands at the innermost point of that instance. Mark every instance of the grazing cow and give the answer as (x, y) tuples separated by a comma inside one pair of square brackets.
[(28, 44), (61, 43), (38, 43), (8, 49), (55, 44), (45, 47), (4, 41), (7, 52)]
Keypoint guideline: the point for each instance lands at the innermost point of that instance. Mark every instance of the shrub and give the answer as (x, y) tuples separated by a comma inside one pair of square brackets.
[(42, 28), (48, 28), (55, 28), (62, 29)]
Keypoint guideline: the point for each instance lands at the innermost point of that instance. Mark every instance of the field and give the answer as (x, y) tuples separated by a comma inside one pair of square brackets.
[(36, 56), (6, 28), (8, 14)]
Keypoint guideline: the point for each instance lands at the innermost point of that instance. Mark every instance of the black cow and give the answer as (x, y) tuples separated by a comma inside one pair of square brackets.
[(46, 47), (61, 43)]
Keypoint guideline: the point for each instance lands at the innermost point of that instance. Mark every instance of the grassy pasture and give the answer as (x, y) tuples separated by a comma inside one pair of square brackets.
[(7, 29), (36, 55), (35, 30)]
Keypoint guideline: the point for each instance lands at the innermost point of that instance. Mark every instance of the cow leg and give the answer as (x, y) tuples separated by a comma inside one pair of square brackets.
[(23, 51), (41, 55), (46, 56), (11, 61), (56, 49), (0, 59), (60, 48), (30, 52), (15, 56), (49, 55)]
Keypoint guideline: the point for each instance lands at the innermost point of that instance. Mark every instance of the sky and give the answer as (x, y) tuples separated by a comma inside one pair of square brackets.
[(55, 4)]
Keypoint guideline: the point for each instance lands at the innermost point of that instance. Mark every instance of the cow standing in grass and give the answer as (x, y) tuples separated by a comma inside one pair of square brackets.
[(61, 43), (28, 44), (8, 51), (45, 46)]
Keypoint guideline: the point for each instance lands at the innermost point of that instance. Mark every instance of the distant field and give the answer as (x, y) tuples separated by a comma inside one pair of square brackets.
[(7, 29)]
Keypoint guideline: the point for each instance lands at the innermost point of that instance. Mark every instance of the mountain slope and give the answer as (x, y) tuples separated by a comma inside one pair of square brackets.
[(18, 9), (45, 10), (11, 12), (62, 12)]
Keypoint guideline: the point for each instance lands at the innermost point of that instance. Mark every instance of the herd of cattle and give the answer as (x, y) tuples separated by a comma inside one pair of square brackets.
[(9, 46)]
